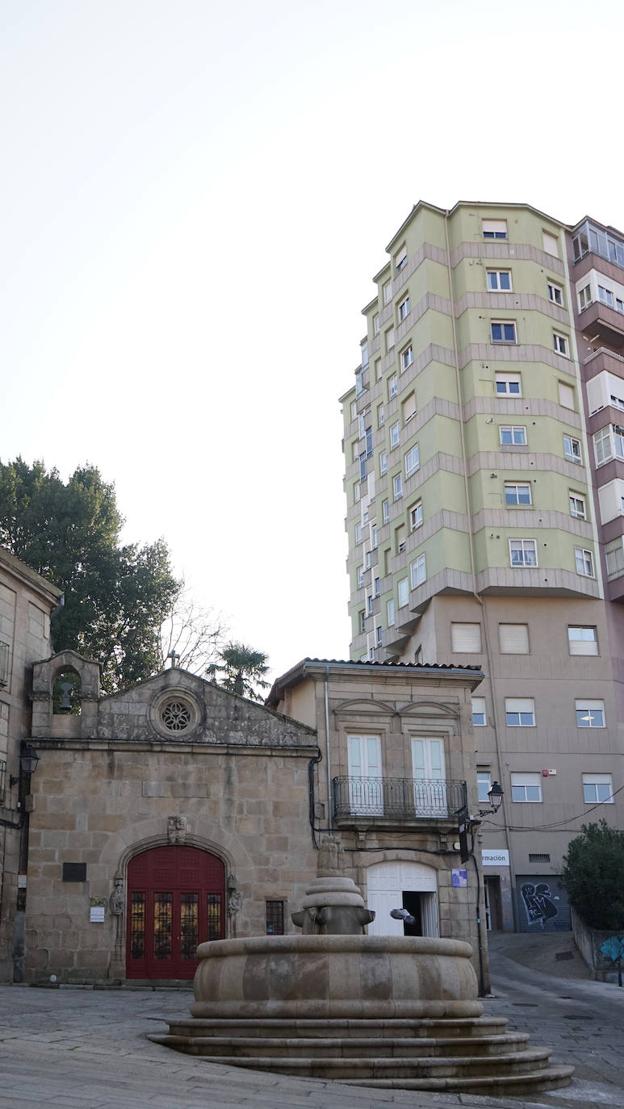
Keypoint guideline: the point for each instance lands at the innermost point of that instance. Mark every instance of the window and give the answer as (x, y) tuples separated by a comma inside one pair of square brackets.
[(523, 552), (526, 788), (584, 561), (403, 592), (598, 789), (376, 324), (353, 410), (395, 435), (515, 436), (378, 636), (397, 486), (479, 716), (513, 639), (508, 385), (503, 331), (400, 259), (585, 297), (389, 338), (415, 516), (539, 857), (368, 435), (614, 555), (520, 712), (386, 290), (466, 639), (377, 366), (377, 587), (373, 536), (385, 511), (407, 357), (362, 467), (364, 354), (360, 577), (572, 449), (517, 493), (274, 918), (393, 386), (484, 779), (383, 463), (590, 714), (566, 396), (560, 344), (361, 621), (582, 641), (390, 612), (412, 460), (494, 228), (399, 539), (5, 669), (381, 415), (358, 534), (609, 443), (418, 571), (403, 309), (606, 296), (550, 243), (408, 408), (369, 604), (357, 491), (578, 507), (499, 281), (555, 293)]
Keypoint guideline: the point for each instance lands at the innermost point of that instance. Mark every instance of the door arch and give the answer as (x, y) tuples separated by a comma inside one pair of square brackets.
[(409, 885), (176, 899)]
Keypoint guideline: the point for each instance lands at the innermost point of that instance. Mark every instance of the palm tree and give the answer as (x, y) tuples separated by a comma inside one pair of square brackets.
[(243, 670)]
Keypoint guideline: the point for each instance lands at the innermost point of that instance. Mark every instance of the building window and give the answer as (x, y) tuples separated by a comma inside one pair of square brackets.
[(408, 408), (379, 636), (395, 435), (412, 460), (523, 552), (403, 309), (566, 396), (606, 296), (358, 534), (572, 449), (418, 571), (362, 467), (466, 639), (582, 640), (385, 511), (386, 291), (539, 857), (357, 491), (520, 712), (369, 604), (360, 577), (403, 592), (609, 443), (381, 415), (598, 789), (503, 331), (584, 297), (590, 714), (407, 357), (389, 337), (517, 493), (479, 715), (377, 587), (584, 561), (513, 639), (400, 259), (614, 556), (376, 324), (274, 917), (494, 228), (508, 385), (397, 486), (555, 293), (353, 410), (415, 515), (499, 281), (383, 463), (550, 243), (393, 386), (578, 507), (484, 781), (560, 344), (390, 613), (399, 539), (526, 788), (361, 621), (515, 436)]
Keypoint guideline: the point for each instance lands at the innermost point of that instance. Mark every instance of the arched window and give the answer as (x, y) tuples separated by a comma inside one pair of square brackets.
[(66, 692)]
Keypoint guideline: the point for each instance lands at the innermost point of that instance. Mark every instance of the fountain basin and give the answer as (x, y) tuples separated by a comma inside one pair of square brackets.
[(335, 976)]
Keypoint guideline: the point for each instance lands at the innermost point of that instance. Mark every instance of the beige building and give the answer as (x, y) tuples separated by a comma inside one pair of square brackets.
[(26, 603), (176, 812), (484, 474)]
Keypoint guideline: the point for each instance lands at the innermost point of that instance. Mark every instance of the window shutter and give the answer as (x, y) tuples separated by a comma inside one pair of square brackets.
[(409, 407), (494, 226), (514, 639), (466, 638), (551, 244), (566, 395), (519, 704)]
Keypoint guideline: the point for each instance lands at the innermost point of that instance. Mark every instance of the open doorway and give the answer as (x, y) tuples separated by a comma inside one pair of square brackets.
[(493, 907), (396, 885)]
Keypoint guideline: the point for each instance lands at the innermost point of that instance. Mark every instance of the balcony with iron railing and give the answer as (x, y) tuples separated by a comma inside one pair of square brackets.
[(397, 802)]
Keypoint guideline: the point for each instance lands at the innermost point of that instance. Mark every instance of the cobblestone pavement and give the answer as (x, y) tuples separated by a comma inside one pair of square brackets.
[(87, 1049)]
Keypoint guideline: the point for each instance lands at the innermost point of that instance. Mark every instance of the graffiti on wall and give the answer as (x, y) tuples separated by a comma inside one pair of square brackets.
[(538, 903)]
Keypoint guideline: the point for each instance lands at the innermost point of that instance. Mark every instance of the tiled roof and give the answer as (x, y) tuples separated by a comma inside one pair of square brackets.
[(394, 665), (299, 671)]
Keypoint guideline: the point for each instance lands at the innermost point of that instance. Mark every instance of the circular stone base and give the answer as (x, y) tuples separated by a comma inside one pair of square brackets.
[(335, 976)]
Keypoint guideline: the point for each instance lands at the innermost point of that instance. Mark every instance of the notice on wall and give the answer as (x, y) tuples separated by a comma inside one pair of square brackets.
[(459, 877), (96, 914), (491, 857)]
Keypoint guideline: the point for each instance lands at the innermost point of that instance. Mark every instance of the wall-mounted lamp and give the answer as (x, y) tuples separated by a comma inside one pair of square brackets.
[(495, 797), (28, 764)]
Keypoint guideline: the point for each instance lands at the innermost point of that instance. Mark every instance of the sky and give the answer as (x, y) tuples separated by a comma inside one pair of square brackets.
[(195, 196)]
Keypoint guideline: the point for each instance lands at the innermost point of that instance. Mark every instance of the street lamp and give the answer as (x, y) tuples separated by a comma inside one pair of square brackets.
[(495, 797), (28, 764)]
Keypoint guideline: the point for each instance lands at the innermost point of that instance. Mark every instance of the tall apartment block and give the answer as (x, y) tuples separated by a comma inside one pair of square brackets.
[(484, 449)]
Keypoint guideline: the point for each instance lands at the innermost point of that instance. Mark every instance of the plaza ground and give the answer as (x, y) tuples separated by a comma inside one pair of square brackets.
[(87, 1049)]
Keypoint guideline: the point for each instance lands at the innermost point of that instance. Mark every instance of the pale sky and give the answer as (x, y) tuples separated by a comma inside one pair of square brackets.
[(195, 196)]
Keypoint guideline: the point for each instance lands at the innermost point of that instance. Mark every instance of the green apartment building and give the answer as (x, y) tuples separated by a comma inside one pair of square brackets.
[(484, 476)]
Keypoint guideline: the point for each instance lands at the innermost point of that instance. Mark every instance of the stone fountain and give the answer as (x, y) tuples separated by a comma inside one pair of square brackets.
[(332, 1002)]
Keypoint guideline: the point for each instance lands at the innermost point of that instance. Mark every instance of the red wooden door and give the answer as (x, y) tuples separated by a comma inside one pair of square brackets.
[(176, 899)]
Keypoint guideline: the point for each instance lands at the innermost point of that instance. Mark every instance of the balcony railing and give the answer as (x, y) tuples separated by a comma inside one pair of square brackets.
[(404, 799)]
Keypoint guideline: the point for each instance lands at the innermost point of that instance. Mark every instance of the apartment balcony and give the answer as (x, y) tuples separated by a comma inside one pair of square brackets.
[(397, 802), (600, 322)]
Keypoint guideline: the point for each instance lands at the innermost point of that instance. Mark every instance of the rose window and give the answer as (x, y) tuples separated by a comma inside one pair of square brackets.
[(176, 716)]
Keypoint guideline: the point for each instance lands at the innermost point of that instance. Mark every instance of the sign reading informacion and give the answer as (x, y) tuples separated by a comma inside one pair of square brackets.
[(492, 857)]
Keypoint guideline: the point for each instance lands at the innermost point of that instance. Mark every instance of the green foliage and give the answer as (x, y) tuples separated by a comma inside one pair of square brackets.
[(593, 874), (242, 670), (116, 597)]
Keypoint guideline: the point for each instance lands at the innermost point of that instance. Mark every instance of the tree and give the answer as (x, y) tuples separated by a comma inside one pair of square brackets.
[(115, 596), (593, 874), (243, 670), (193, 633)]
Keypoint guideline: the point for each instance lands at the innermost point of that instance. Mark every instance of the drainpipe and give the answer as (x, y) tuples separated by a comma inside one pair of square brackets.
[(330, 814)]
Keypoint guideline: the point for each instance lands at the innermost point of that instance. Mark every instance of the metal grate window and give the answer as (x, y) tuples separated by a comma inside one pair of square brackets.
[(275, 918), (5, 657), (537, 858)]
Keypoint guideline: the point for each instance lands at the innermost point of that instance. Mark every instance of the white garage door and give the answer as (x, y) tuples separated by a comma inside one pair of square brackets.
[(386, 883)]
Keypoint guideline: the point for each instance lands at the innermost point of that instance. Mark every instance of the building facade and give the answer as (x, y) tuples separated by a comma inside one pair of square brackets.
[(484, 464)]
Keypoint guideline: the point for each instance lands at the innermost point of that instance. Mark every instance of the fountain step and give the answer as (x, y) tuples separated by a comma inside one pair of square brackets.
[(530, 1082), (407, 1047), (460, 1027), (482, 1067)]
